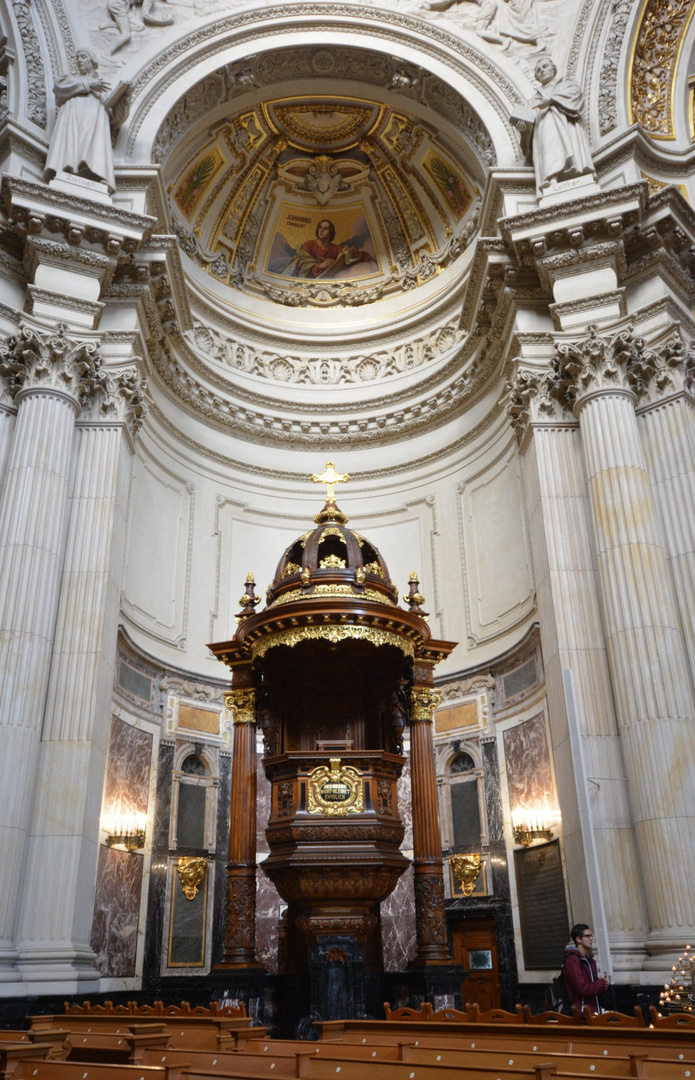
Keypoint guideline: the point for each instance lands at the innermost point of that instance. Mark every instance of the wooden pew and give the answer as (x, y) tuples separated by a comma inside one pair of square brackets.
[(79, 1070), (657, 1042), (113, 1048), (201, 1032), (11, 1053), (632, 1065)]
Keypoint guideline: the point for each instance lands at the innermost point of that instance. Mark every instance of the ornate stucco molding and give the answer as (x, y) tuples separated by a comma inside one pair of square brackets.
[(379, 24), (661, 34), (608, 82), (36, 76), (50, 360), (287, 366)]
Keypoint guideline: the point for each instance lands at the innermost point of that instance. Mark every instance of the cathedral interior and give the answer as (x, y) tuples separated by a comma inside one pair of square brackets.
[(347, 500)]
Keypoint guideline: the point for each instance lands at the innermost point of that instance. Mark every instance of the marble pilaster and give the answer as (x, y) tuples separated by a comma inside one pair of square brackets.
[(601, 378), (55, 927), (47, 374), (572, 635)]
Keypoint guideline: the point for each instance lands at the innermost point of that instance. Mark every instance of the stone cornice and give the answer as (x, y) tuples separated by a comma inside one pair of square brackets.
[(29, 204)]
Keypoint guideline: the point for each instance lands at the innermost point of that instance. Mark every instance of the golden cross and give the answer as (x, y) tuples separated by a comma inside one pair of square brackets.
[(329, 477)]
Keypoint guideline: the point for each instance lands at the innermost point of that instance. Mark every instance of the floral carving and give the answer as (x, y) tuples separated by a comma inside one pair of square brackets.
[(241, 914), (118, 395), (32, 54), (429, 909), (608, 83), (616, 362), (50, 360), (656, 56), (530, 397)]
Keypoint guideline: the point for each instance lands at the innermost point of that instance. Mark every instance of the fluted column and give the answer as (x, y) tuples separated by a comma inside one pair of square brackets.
[(667, 422), (240, 906), (46, 375), (7, 422), (427, 844), (55, 924), (572, 636), (601, 378)]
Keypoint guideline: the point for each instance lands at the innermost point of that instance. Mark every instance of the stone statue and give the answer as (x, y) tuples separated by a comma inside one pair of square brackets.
[(560, 145), (81, 139)]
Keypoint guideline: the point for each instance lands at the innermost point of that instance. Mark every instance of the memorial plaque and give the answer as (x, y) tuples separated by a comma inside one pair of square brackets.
[(542, 905)]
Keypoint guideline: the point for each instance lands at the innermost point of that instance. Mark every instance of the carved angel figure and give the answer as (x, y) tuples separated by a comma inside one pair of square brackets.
[(560, 145), (81, 139)]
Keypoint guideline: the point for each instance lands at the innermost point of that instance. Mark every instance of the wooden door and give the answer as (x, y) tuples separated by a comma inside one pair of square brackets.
[(475, 949)]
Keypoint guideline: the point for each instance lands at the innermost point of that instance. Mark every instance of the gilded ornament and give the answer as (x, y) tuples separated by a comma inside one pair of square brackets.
[(466, 870), (373, 568), (333, 634), (335, 790), (191, 872), (333, 590), (330, 478), (654, 64), (423, 702), (290, 568), (243, 704), (332, 562)]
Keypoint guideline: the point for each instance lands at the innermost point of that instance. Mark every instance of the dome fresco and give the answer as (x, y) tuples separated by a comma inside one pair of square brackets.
[(323, 198)]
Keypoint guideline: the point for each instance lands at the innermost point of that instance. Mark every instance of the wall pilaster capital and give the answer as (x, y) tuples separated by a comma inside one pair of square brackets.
[(615, 362), (531, 399), (116, 396), (671, 372), (49, 360)]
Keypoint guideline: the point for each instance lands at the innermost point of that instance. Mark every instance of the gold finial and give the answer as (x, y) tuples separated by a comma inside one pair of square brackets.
[(330, 478), (249, 600), (414, 599)]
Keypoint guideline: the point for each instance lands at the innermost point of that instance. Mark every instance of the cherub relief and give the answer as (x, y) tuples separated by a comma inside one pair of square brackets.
[(124, 13)]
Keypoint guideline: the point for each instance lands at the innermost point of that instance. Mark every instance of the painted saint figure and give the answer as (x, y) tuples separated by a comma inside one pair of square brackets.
[(321, 257), (81, 139), (560, 145)]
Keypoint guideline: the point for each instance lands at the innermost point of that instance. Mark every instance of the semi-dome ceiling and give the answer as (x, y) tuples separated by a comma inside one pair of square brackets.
[(323, 198)]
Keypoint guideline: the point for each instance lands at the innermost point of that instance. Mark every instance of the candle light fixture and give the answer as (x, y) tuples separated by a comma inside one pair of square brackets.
[(533, 823), (125, 830)]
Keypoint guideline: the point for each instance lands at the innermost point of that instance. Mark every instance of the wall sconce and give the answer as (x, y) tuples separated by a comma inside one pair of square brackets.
[(125, 830), (533, 823)]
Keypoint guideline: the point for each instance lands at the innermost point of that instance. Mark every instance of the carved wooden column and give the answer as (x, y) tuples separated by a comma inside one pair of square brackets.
[(427, 844), (240, 907), (601, 377)]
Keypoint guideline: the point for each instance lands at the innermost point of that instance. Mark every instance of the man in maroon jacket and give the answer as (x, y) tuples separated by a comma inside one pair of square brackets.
[(580, 970)]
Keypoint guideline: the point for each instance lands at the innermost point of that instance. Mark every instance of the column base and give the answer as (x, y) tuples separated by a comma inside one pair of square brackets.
[(69, 971), (8, 971)]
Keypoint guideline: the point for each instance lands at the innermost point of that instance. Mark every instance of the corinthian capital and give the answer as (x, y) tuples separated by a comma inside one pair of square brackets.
[(671, 371), (596, 363), (117, 395), (530, 399), (243, 705), (37, 359), (423, 702)]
